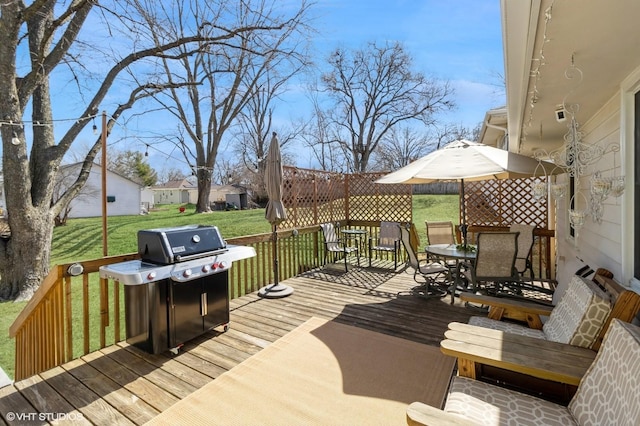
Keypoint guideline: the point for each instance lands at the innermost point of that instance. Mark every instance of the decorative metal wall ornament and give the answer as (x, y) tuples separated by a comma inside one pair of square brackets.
[(575, 158)]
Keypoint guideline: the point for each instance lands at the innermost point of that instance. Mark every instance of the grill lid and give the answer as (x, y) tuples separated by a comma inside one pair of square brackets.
[(171, 245)]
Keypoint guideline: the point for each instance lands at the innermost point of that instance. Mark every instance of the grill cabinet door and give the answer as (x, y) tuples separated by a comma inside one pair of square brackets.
[(186, 320), (216, 289), (197, 306)]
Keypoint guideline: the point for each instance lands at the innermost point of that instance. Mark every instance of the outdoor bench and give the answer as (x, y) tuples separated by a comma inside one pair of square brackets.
[(607, 393)]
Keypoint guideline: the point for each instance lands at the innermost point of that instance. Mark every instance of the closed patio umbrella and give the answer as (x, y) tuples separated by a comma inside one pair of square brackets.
[(465, 160), (275, 213)]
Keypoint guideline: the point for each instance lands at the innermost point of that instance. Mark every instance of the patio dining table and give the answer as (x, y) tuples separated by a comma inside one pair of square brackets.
[(357, 236), (451, 252)]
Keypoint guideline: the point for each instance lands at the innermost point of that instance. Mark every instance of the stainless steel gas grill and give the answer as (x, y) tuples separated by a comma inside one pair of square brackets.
[(179, 288)]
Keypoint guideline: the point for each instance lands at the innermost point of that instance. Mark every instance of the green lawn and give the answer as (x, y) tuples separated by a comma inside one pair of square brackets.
[(81, 239)]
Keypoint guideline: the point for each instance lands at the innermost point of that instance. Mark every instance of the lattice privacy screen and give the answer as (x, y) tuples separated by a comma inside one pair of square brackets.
[(312, 197), (504, 202)]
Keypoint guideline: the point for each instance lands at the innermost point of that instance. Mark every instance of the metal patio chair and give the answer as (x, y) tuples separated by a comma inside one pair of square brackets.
[(423, 268), (525, 246), (333, 244), (388, 241), (494, 263), (440, 232)]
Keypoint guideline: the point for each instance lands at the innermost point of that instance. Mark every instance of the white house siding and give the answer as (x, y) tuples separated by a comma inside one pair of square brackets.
[(171, 196), (126, 192), (146, 197), (597, 245), (629, 87)]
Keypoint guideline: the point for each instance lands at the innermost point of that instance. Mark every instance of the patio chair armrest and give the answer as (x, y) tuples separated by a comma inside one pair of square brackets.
[(519, 310), (433, 266), (423, 414)]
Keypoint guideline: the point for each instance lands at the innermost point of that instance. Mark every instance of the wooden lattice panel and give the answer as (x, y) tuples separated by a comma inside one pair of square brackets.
[(370, 201), (504, 202), (312, 197)]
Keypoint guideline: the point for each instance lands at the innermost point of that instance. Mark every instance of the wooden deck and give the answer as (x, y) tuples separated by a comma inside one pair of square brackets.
[(123, 385)]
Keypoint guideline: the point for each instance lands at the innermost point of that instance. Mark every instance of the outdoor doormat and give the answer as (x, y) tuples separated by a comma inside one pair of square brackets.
[(322, 372)]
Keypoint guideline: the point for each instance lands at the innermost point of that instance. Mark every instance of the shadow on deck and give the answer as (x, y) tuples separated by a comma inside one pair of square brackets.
[(123, 385)]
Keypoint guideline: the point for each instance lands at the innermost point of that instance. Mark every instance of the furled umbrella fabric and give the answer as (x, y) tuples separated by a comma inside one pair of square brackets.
[(275, 213)]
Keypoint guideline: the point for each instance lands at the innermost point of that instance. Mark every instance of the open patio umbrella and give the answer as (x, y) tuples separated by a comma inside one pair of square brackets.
[(275, 213), (465, 160)]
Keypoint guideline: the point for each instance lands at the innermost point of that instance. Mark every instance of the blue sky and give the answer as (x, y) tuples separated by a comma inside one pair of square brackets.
[(458, 41)]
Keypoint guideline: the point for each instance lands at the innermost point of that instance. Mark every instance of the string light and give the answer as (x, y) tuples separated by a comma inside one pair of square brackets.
[(15, 140), (536, 72), (37, 123)]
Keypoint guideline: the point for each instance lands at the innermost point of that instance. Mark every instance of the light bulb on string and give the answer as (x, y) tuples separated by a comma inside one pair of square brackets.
[(95, 128), (15, 140), (146, 152)]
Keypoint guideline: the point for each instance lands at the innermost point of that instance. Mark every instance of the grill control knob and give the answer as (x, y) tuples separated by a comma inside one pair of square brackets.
[(224, 264), (215, 265), (151, 275), (205, 268), (186, 273)]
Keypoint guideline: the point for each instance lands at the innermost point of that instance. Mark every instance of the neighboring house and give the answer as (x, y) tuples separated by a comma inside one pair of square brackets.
[(220, 195), (596, 43), (146, 198), (173, 192), (123, 194)]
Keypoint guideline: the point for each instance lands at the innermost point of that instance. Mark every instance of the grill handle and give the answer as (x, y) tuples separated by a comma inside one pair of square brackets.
[(203, 304)]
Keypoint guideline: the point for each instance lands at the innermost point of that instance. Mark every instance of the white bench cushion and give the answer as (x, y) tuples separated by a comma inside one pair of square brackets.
[(609, 391), (487, 404), (579, 315)]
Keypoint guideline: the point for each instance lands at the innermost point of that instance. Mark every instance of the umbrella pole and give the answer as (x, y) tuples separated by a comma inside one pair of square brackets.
[(276, 278), (463, 221), (275, 290)]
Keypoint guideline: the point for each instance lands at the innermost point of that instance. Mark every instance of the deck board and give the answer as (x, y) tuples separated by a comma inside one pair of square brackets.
[(123, 400), (121, 384)]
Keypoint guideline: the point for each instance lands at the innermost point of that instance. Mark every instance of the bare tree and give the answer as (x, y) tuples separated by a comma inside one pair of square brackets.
[(167, 175), (221, 83), (401, 146), (374, 89), (254, 132), (40, 42), (317, 136)]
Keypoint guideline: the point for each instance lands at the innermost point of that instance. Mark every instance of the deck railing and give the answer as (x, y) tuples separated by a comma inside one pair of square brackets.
[(71, 315)]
